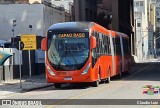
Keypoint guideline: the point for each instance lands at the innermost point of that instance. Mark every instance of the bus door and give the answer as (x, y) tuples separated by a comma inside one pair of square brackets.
[(112, 53)]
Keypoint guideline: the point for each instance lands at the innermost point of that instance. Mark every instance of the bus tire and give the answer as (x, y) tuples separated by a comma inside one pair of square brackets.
[(96, 83), (109, 77), (57, 85)]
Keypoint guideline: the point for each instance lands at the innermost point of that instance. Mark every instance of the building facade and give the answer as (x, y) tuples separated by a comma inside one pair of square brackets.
[(19, 19), (21, 1), (40, 16), (66, 4), (85, 10), (120, 17), (142, 32), (157, 34)]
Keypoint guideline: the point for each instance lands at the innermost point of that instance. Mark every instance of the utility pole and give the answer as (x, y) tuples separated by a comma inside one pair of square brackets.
[(14, 24), (155, 46)]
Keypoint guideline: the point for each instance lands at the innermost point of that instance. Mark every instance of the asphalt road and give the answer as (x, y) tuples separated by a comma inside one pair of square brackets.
[(129, 87)]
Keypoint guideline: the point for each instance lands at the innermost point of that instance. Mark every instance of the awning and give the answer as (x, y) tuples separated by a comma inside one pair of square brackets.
[(4, 55)]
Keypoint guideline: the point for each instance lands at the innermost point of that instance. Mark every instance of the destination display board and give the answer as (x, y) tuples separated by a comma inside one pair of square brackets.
[(69, 35)]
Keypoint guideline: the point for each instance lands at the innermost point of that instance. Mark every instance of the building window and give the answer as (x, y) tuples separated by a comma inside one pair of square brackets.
[(137, 3), (99, 1), (141, 3), (138, 24)]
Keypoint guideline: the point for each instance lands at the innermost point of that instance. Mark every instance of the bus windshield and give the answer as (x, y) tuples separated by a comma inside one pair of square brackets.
[(68, 53)]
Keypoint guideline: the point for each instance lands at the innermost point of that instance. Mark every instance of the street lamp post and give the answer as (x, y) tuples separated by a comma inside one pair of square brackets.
[(29, 53), (14, 24)]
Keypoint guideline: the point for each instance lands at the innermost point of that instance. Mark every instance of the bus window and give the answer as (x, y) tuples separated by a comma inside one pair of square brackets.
[(60, 45), (81, 46)]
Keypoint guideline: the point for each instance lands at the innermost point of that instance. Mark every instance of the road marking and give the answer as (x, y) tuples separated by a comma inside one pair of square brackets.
[(138, 71), (75, 97)]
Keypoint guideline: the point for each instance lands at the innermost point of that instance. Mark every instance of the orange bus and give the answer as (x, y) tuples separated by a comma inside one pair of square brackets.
[(79, 52)]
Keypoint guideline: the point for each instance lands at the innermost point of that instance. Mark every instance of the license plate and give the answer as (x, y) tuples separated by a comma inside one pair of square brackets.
[(67, 78)]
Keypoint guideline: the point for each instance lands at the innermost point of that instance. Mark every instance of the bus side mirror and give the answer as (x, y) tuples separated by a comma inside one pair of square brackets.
[(93, 42), (44, 44)]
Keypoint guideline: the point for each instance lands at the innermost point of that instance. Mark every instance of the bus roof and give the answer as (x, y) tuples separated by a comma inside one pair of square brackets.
[(82, 27), (122, 34), (71, 26)]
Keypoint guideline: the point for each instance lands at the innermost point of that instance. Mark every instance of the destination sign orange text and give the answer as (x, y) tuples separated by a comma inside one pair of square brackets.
[(71, 35)]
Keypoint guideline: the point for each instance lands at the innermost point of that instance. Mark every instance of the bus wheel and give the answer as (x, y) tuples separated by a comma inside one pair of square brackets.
[(57, 85), (109, 77), (96, 83)]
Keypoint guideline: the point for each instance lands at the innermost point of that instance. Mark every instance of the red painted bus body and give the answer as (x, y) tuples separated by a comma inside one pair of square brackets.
[(106, 53)]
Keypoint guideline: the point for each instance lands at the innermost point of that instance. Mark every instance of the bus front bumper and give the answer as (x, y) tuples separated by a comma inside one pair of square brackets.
[(67, 79)]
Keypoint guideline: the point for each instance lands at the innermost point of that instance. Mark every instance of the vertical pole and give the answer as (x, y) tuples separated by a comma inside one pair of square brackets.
[(155, 47), (20, 73), (13, 35), (29, 54), (131, 44)]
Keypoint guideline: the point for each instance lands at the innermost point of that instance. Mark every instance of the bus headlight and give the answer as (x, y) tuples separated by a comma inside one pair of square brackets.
[(50, 71), (86, 69)]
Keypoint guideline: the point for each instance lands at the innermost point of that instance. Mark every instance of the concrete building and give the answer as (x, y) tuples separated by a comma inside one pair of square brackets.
[(14, 1), (18, 19), (157, 34), (67, 4), (141, 29), (40, 16), (85, 10), (23, 1), (104, 13), (121, 15), (152, 27), (104, 6)]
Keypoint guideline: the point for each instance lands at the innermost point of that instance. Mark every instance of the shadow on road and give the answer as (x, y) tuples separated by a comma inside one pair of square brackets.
[(144, 72)]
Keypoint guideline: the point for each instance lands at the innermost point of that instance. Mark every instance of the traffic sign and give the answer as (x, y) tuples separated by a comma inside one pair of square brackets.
[(29, 41)]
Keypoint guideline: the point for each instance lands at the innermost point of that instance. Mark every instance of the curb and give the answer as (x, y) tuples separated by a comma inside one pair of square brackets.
[(35, 88)]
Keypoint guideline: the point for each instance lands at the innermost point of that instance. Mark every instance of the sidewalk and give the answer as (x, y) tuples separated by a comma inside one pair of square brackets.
[(153, 60), (9, 87)]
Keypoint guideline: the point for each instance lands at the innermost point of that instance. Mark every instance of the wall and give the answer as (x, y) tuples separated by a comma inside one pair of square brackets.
[(40, 16), (25, 15), (64, 3), (52, 16), (85, 10), (142, 33)]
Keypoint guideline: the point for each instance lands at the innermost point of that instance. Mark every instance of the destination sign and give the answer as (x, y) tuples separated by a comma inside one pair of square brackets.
[(70, 35)]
